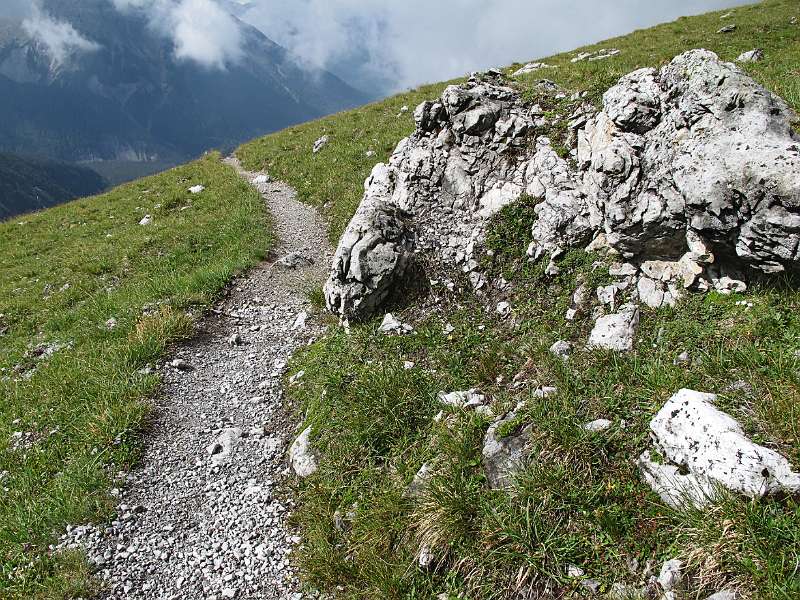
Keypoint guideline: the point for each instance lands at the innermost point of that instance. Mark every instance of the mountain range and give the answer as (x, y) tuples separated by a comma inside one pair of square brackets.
[(30, 183), (132, 99)]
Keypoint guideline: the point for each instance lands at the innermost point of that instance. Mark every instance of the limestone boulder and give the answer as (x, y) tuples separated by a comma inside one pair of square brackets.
[(474, 151), (704, 450)]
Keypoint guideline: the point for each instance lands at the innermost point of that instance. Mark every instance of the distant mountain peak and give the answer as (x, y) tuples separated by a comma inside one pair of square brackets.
[(121, 88)]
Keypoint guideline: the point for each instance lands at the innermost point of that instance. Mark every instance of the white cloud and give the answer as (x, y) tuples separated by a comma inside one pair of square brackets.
[(399, 44), (60, 39), (200, 30), (206, 34)]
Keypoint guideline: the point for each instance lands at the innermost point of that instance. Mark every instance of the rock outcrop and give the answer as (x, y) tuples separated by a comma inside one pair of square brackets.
[(691, 173), (374, 252), (472, 153)]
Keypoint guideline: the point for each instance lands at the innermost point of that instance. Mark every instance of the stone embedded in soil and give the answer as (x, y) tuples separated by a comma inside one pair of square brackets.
[(504, 456), (616, 331), (301, 455)]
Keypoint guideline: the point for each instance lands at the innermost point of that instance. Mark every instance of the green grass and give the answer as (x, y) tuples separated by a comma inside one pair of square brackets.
[(581, 501), (86, 403), (333, 179)]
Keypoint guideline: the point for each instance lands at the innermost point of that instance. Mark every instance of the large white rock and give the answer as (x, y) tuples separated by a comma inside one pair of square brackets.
[(373, 253), (616, 331), (705, 449), (675, 487), (475, 150), (685, 152), (301, 455)]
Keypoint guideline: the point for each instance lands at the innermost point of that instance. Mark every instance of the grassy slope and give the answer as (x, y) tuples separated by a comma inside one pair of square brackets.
[(86, 402), (582, 501)]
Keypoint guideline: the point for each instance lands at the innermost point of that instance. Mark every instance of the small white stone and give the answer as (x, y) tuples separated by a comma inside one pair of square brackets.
[(392, 326), (671, 575), (426, 557), (466, 399), (180, 364), (598, 425), (616, 331), (545, 392), (300, 321), (503, 309), (301, 455), (530, 68), (320, 144), (574, 571), (561, 349)]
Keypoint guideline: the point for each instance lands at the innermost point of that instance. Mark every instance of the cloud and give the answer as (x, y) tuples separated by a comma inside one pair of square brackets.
[(395, 45), (60, 39), (16, 9), (200, 30)]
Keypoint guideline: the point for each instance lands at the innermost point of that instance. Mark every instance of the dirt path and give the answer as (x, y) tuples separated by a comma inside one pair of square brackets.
[(203, 518)]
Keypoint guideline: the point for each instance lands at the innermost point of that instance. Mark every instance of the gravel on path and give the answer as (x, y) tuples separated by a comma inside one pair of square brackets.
[(205, 514)]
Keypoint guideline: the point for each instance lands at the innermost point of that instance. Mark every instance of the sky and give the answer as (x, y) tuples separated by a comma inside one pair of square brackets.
[(380, 46)]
